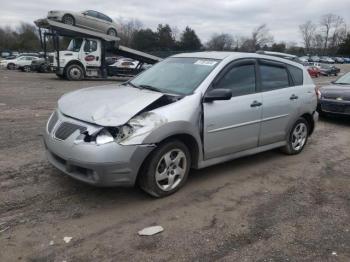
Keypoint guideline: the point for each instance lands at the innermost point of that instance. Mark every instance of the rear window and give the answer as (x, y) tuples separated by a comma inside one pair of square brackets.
[(273, 77), (297, 75)]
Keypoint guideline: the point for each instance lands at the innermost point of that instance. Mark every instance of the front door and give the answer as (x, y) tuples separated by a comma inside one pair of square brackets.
[(233, 125), (92, 53)]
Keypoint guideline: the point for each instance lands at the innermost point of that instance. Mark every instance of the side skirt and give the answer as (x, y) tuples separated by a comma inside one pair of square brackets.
[(221, 159)]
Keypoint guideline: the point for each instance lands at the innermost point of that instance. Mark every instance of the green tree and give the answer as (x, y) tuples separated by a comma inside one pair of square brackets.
[(278, 47), (189, 40), (344, 48), (145, 40), (165, 37)]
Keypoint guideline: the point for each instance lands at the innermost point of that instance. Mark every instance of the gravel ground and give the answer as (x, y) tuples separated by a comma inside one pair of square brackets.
[(280, 208)]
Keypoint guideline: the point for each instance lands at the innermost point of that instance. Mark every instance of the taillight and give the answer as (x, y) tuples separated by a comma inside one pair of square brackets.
[(318, 92)]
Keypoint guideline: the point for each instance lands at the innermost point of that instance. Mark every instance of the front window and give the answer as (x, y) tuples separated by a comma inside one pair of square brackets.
[(90, 46), (343, 80), (177, 75), (75, 45)]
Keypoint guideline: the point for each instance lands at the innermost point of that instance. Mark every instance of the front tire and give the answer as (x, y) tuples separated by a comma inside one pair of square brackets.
[(11, 66), (297, 137), (166, 169), (74, 73)]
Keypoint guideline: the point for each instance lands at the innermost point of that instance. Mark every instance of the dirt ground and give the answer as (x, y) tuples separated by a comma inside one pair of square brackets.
[(267, 207)]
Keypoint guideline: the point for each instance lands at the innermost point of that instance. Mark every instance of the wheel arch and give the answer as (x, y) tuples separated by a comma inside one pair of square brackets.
[(310, 120), (74, 62), (69, 14)]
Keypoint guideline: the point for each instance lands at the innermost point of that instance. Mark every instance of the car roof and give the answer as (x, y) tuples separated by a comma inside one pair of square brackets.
[(235, 55)]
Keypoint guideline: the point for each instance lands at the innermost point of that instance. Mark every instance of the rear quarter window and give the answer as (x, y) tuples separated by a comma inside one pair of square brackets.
[(297, 75)]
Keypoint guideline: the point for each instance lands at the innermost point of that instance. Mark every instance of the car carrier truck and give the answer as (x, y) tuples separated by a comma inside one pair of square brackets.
[(85, 56)]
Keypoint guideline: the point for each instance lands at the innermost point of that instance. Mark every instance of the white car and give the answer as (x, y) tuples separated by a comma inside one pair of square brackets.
[(125, 63), (22, 62)]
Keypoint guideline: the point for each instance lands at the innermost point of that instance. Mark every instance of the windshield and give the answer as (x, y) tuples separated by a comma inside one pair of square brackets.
[(177, 75), (75, 44), (345, 79)]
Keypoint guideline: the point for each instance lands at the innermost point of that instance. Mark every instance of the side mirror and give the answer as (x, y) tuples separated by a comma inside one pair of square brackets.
[(218, 94)]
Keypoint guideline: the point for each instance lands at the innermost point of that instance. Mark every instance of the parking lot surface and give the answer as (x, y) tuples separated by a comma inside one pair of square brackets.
[(267, 207)]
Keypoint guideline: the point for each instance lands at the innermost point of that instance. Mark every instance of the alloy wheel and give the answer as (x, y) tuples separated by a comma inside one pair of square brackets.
[(171, 169), (299, 136)]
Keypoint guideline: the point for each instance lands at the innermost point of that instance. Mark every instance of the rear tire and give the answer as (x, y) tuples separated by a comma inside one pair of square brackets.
[(74, 72), (112, 32), (166, 169), (297, 137), (68, 20), (26, 69)]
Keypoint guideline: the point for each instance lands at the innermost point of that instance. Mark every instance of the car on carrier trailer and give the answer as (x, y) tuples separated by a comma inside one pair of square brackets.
[(87, 53)]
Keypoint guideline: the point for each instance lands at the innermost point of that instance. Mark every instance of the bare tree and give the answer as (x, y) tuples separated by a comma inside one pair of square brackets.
[(307, 31), (260, 37), (127, 29), (330, 22), (220, 42), (339, 32)]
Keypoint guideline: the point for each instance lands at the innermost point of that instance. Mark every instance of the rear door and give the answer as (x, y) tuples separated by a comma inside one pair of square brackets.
[(280, 99), (233, 125), (91, 20)]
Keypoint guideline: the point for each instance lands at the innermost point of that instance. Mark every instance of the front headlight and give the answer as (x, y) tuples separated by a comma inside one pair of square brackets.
[(111, 134), (104, 137)]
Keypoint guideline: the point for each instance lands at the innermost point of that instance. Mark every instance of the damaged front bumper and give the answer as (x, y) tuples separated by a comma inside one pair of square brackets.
[(110, 164)]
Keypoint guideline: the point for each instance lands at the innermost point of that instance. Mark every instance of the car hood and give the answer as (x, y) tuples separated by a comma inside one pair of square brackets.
[(106, 105), (336, 91)]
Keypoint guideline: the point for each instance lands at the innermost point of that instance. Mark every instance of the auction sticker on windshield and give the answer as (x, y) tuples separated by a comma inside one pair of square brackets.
[(206, 62)]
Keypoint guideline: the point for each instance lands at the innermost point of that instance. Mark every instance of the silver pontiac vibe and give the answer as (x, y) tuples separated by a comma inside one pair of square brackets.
[(189, 111)]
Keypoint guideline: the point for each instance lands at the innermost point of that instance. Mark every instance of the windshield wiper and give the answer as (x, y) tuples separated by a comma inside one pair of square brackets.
[(151, 88), (341, 83), (130, 84)]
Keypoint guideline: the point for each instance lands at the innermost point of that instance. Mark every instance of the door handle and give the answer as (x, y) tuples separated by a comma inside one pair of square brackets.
[(293, 97), (255, 104)]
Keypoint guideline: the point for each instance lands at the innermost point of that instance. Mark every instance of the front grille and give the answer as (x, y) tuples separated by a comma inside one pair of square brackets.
[(51, 59), (52, 122), (336, 97), (66, 129)]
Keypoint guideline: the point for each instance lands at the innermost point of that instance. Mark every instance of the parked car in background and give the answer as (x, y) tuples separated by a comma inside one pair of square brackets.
[(315, 59), (124, 66), (327, 60), (328, 70), (40, 65), (22, 62), (339, 60), (346, 60), (335, 98), (188, 111), (87, 19), (5, 54), (304, 59), (313, 71)]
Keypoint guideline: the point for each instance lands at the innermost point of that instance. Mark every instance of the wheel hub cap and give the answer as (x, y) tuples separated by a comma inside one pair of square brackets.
[(171, 169), (299, 136)]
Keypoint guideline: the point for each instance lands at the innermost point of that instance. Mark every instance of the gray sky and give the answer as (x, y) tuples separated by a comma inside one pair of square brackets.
[(237, 17)]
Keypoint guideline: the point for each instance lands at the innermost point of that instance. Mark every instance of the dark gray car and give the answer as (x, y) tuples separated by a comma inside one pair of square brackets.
[(335, 98)]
